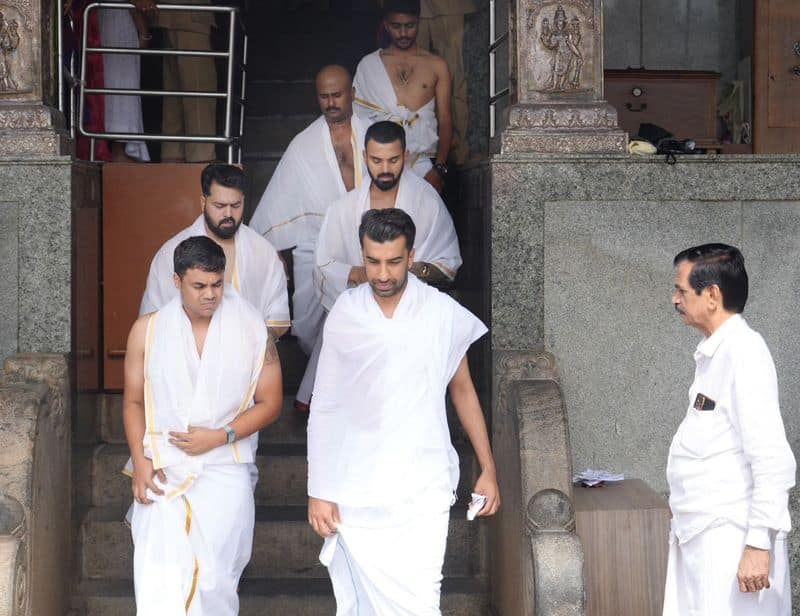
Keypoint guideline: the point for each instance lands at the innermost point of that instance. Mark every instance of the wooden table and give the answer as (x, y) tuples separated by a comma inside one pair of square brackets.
[(624, 528)]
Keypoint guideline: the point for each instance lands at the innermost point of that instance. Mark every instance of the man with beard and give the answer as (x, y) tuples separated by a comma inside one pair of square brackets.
[(339, 259), (382, 471), (730, 467), (320, 165), (411, 86), (253, 267)]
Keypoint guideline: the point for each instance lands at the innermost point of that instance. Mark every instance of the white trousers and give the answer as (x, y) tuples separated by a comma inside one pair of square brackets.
[(387, 561), (701, 577), (190, 550)]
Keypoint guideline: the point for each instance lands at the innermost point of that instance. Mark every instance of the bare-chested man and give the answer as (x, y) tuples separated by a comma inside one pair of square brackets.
[(408, 85), (321, 164)]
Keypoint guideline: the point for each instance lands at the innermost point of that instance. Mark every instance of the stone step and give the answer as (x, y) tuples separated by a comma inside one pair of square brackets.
[(273, 132), (258, 172), (284, 545), (289, 428), (283, 597), (282, 475), (280, 96)]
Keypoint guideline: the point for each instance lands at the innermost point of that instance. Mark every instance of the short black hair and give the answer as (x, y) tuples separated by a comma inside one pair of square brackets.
[(387, 225), (386, 132), (407, 7), (229, 176), (721, 265), (198, 252)]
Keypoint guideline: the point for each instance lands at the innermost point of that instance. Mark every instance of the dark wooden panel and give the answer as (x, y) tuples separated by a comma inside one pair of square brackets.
[(143, 206), (623, 527), (776, 88), (682, 102), (86, 294)]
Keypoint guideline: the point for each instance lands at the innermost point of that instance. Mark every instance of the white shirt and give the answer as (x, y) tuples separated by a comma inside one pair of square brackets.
[(733, 463)]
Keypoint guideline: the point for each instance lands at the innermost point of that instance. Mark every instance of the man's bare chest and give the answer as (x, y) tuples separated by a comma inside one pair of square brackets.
[(414, 81), (343, 149)]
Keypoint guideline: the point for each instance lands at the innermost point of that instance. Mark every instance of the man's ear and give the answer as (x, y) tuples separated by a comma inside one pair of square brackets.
[(177, 280), (202, 202), (411, 256), (714, 296), (405, 157)]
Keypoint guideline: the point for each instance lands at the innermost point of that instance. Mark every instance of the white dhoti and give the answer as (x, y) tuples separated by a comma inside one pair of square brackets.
[(339, 249), (257, 274), (123, 114), (190, 550), (376, 100), (289, 214), (701, 577), (388, 560)]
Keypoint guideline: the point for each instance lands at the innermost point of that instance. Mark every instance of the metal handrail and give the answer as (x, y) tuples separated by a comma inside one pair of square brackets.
[(233, 142), (494, 44)]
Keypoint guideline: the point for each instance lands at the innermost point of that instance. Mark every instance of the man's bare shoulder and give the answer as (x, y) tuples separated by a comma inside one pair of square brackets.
[(435, 61), (139, 331)]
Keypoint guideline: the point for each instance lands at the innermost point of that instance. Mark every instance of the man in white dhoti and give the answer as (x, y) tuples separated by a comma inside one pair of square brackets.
[(320, 165), (730, 467), (127, 28), (339, 262), (201, 378), (382, 471), (412, 87), (253, 269)]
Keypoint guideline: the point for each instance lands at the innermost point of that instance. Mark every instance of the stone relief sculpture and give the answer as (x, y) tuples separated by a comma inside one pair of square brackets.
[(563, 41), (9, 42)]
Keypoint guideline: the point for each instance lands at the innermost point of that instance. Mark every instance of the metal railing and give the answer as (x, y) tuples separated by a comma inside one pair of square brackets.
[(495, 43), (233, 141)]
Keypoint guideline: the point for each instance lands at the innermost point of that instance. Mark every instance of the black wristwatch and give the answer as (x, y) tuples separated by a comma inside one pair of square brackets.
[(441, 169)]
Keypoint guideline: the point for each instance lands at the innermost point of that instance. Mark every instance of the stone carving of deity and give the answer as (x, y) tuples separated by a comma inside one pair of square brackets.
[(563, 41), (9, 41)]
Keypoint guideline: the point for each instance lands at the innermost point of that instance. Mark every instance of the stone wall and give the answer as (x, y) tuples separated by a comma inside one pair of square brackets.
[(35, 483), (36, 202), (581, 265), (675, 34)]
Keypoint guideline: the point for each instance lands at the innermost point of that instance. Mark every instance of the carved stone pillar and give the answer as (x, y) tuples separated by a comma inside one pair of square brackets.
[(557, 80), (29, 124)]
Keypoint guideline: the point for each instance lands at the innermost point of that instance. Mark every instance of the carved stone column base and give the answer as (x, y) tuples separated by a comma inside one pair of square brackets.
[(32, 130), (563, 128)]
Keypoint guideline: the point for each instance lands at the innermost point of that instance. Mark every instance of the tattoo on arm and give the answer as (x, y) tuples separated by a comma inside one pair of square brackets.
[(271, 355)]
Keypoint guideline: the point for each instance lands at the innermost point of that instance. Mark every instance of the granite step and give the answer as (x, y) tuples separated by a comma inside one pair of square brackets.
[(461, 596), (258, 172), (279, 96), (282, 472), (273, 132), (284, 545), (289, 428)]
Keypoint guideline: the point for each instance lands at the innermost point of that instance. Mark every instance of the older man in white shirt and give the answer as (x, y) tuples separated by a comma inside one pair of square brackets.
[(730, 467)]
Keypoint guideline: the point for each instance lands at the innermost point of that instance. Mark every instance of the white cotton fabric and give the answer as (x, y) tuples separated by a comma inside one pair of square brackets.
[(123, 114), (387, 561), (190, 551), (376, 100), (184, 389), (378, 424), (339, 248), (732, 463), (701, 577), (290, 213), (257, 274), (192, 543)]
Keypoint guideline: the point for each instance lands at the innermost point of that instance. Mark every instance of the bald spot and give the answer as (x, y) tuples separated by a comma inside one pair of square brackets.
[(333, 78)]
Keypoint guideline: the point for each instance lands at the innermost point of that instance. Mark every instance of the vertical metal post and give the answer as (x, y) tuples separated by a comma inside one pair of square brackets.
[(91, 149), (60, 38), (83, 70), (229, 87), (243, 96), (72, 102), (492, 38)]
